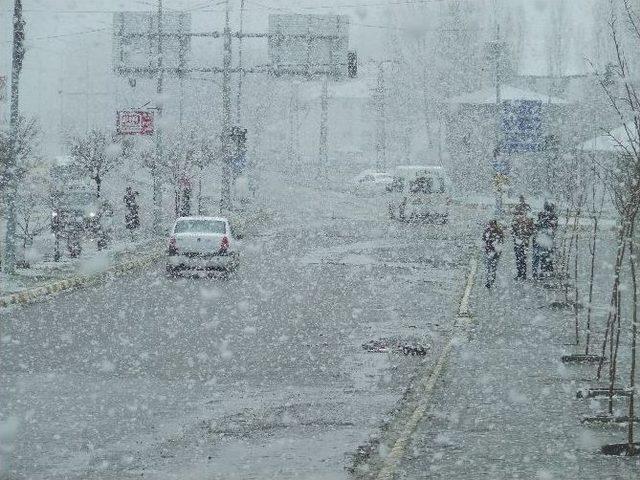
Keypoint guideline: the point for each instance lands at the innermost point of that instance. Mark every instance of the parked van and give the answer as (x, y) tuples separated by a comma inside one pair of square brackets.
[(420, 192)]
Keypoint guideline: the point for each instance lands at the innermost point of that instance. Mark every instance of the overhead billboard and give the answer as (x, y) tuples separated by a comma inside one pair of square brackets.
[(134, 122), (309, 45), (135, 42)]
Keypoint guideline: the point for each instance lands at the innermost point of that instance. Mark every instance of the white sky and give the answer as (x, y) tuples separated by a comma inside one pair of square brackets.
[(68, 38)]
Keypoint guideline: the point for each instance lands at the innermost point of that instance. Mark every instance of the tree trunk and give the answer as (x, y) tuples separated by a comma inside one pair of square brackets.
[(98, 180), (577, 293), (634, 336), (574, 233), (616, 283), (592, 251), (613, 361)]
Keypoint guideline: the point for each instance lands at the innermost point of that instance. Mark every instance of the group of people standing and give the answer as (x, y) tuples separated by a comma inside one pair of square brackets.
[(525, 232)]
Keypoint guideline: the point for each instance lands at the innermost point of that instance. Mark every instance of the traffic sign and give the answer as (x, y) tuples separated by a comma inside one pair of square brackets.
[(134, 122), (522, 126)]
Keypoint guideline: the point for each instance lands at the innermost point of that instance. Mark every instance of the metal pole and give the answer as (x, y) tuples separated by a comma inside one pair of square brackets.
[(225, 200), (181, 104), (9, 261), (499, 208), (240, 73), (324, 119), (157, 185), (86, 93), (296, 125), (381, 141)]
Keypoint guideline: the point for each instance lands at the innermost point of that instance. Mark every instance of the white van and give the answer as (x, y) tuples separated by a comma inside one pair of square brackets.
[(420, 192)]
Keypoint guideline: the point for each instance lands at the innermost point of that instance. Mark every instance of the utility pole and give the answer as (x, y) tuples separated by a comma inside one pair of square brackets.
[(11, 190), (500, 178), (324, 120), (294, 127), (240, 72), (381, 134), (225, 200), (157, 184)]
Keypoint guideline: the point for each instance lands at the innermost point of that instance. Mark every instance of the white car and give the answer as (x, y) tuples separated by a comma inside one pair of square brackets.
[(372, 182), (202, 243), (420, 193)]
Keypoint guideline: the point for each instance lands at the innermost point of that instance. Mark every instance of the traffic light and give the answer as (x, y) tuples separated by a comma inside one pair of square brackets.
[(239, 139), (352, 64)]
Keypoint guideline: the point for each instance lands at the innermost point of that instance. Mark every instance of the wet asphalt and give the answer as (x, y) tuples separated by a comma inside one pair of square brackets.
[(262, 375)]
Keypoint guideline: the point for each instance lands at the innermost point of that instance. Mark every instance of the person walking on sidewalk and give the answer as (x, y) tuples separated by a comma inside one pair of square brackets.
[(521, 229), (493, 238), (522, 207)]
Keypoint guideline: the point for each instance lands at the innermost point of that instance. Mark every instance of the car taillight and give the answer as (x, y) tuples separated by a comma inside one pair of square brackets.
[(173, 246), (224, 244)]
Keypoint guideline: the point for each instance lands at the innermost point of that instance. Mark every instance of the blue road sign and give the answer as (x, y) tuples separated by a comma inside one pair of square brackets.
[(522, 126)]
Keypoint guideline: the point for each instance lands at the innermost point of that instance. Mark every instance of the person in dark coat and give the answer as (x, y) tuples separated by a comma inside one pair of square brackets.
[(543, 244), (521, 229), (493, 238), (522, 207), (132, 215)]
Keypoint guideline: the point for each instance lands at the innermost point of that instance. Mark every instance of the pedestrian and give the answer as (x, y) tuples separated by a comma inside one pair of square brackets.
[(522, 207), (522, 228), (546, 225), (132, 215), (493, 238)]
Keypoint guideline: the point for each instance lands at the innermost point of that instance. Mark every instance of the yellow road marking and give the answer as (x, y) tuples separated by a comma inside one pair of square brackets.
[(428, 383)]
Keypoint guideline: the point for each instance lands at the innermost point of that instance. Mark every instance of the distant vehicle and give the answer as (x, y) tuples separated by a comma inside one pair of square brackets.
[(372, 182), (420, 192), (202, 244), (74, 205)]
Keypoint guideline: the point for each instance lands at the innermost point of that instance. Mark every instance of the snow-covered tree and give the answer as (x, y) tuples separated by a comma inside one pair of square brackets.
[(97, 153), (28, 132)]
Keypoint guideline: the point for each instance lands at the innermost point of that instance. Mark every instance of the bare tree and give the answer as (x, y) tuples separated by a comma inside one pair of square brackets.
[(32, 218), (597, 204), (177, 168), (624, 181), (28, 132), (97, 153)]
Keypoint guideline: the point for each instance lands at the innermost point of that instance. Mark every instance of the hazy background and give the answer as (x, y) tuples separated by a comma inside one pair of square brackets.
[(68, 83)]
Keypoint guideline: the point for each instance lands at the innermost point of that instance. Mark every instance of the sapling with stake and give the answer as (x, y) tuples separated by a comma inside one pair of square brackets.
[(596, 213), (634, 339)]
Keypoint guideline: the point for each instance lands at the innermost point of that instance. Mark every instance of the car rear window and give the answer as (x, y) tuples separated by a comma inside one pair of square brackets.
[(200, 226)]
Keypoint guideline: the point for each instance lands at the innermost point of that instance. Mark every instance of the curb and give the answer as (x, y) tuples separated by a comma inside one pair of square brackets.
[(32, 294), (377, 465), (428, 382), (80, 281)]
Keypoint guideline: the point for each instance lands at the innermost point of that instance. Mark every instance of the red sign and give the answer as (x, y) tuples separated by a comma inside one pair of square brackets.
[(134, 122)]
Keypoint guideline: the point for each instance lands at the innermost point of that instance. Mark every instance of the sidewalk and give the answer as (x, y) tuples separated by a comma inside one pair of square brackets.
[(505, 406)]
